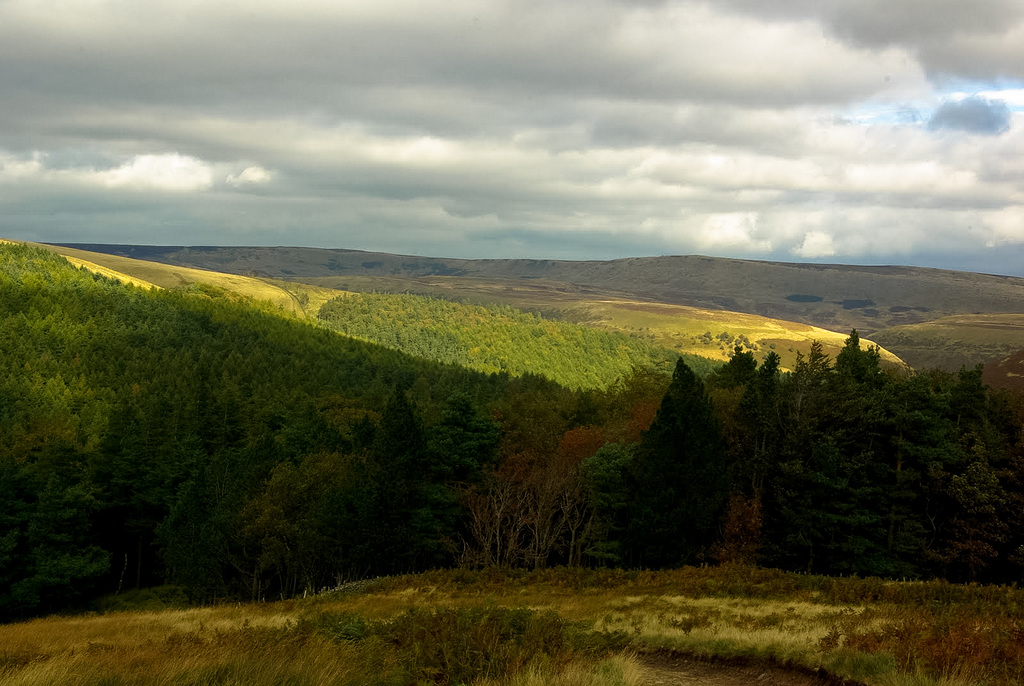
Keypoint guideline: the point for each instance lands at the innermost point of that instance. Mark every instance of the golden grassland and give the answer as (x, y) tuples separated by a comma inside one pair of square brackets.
[(565, 627), (714, 333)]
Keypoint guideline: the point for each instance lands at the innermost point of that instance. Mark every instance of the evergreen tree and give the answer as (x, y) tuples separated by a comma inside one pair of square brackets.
[(462, 443), (680, 484), (862, 366), (738, 371), (606, 477)]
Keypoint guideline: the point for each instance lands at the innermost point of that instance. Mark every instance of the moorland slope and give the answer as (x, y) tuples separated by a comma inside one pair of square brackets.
[(834, 297), (294, 278)]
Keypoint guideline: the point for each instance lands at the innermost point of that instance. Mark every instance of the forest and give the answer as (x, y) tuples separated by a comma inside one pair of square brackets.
[(193, 439), (497, 339)]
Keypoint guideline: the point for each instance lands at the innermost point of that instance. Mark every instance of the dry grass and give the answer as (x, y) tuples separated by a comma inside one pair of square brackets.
[(425, 628), (681, 328)]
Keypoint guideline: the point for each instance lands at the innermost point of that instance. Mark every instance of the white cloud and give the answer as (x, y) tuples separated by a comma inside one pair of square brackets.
[(733, 230), (13, 168), (794, 128), (1013, 97), (254, 175), (1007, 225), (165, 172), (816, 244)]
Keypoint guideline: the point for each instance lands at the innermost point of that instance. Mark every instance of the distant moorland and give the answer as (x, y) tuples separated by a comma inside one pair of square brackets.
[(834, 298)]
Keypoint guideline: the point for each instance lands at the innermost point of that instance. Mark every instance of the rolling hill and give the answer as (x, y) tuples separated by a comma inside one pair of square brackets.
[(956, 341), (486, 339), (835, 298), (304, 278)]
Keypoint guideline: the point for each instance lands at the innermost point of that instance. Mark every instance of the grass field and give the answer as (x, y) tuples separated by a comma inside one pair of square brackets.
[(562, 627), (714, 333)]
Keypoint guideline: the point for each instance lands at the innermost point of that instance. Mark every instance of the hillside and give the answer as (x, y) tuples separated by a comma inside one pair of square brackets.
[(497, 339), (707, 333), (1006, 373), (278, 293), (488, 339), (130, 418), (835, 298), (956, 341)]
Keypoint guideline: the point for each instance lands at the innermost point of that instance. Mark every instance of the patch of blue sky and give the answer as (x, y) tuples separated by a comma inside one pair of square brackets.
[(890, 114), (920, 112)]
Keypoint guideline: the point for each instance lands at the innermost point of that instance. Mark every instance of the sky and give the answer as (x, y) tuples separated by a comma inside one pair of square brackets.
[(840, 131)]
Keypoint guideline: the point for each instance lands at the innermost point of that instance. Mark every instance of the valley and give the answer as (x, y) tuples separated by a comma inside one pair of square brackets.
[(209, 477)]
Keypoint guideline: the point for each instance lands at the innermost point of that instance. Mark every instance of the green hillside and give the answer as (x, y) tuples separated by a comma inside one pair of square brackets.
[(496, 339), (694, 332), (135, 425), (689, 331), (485, 337)]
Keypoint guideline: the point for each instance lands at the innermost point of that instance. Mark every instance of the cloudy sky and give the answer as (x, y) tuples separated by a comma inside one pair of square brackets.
[(862, 131)]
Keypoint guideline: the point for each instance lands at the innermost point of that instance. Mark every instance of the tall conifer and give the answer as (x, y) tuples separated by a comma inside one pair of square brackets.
[(680, 482)]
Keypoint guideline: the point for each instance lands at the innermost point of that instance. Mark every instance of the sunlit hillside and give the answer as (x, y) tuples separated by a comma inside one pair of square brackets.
[(708, 333), (283, 295)]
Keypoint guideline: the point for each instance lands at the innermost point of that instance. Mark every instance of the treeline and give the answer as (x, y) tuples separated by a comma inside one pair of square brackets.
[(176, 437), (842, 467), (497, 339)]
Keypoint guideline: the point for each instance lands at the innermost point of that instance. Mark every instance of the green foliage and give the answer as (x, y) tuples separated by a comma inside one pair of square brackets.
[(738, 371), (679, 481), (607, 478), (163, 415), (463, 442), (492, 339)]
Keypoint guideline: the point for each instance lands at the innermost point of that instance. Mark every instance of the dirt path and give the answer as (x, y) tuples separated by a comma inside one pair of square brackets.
[(671, 669)]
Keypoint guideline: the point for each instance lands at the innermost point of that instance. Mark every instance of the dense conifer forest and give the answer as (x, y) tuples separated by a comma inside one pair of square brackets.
[(496, 339), (183, 437)]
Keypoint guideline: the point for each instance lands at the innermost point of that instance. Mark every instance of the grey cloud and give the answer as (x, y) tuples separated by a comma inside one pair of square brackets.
[(884, 22), (524, 56), (974, 115), (586, 129), (974, 40)]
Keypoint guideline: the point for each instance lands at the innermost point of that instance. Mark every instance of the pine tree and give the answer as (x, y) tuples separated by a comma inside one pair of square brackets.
[(680, 482)]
